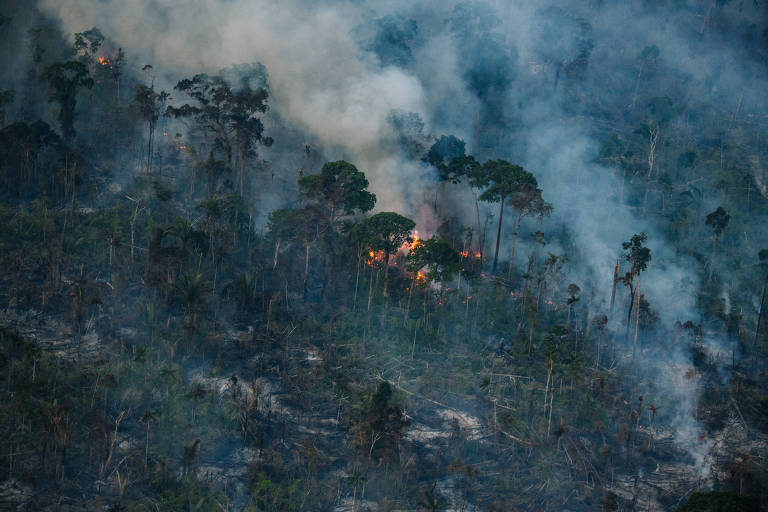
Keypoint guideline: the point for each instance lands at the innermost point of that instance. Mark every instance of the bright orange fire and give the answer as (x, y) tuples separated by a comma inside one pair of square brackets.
[(467, 254), (374, 258), (104, 61), (416, 241)]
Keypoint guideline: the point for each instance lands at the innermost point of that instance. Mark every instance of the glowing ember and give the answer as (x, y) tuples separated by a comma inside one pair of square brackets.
[(467, 254)]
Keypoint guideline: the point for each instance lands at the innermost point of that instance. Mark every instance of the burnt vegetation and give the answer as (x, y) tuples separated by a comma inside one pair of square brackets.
[(203, 307)]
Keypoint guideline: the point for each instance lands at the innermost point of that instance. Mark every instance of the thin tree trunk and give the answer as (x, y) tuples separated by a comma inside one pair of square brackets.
[(759, 317), (410, 294), (357, 278), (615, 282), (712, 260), (479, 225), (498, 235), (637, 317), (277, 250), (514, 244)]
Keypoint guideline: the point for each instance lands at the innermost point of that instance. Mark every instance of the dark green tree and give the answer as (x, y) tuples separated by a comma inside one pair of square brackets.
[(64, 80), (525, 201), (228, 116), (638, 256), (386, 232), (501, 179), (717, 220), (150, 104), (339, 189)]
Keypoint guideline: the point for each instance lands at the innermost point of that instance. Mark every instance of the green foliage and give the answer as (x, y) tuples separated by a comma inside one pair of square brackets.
[(501, 178), (340, 188), (385, 231), (717, 220), (439, 257), (64, 80)]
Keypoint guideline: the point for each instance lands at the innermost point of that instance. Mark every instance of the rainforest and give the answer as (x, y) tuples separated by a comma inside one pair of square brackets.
[(370, 256)]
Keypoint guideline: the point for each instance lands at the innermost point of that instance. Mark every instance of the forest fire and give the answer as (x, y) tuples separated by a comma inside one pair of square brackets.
[(468, 254), (415, 241), (104, 61), (375, 258)]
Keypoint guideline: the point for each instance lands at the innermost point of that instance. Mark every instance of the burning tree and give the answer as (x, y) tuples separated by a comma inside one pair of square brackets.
[(385, 232), (440, 259)]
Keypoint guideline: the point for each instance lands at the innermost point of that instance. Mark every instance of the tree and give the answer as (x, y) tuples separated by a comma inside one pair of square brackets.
[(647, 56), (717, 220), (87, 43), (502, 179), (146, 419), (386, 232), (638, 256), (228, 116), (340, 189), (526, 201), (468, 167), (64, 80), (442, 152), (149, 104), (439, 258)]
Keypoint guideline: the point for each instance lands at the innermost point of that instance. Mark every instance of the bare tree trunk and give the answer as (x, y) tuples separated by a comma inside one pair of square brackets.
[(357, 277), (759, 317), (637, 317), (498, 235), (514, 244), (277, 250), (637, 84), (133, 230), (653, 138), (410, 294), (615, 282), (479, 225), (712, 259)]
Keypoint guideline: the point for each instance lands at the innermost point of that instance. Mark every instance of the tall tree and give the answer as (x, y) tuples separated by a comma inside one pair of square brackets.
[(64, 80), (386, 232), (442, 152), (340, 189), (228, 116), (438, 257), (150, 104), (501, 179), (526, 201), (638, 256), (717, 220)]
